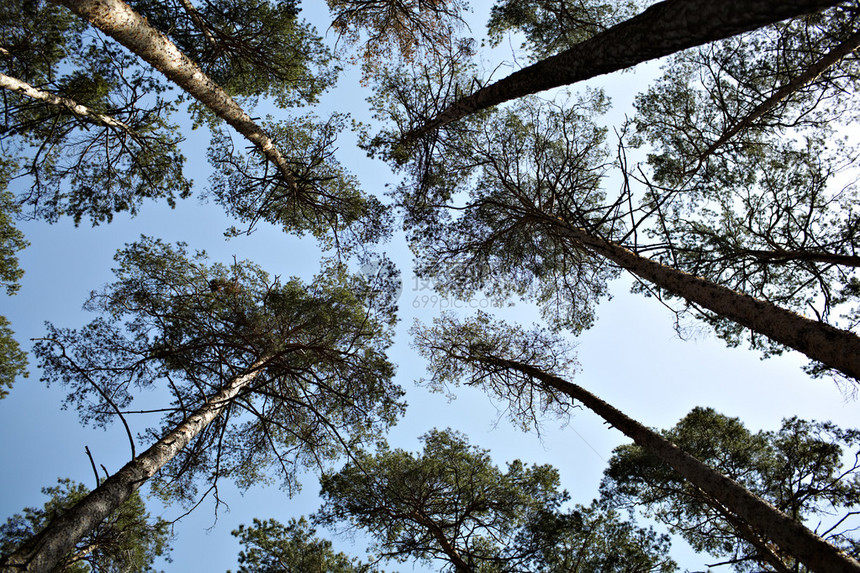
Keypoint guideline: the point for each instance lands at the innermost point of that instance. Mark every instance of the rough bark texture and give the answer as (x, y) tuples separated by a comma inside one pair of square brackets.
[(836, 348), (662, 29), (116, 19), (43, 552), (791, 536)]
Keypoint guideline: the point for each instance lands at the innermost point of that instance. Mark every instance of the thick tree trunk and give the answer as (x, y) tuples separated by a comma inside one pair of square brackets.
[(44, 551), (663, 29), (836, 348), (116, 19), (791, 536)]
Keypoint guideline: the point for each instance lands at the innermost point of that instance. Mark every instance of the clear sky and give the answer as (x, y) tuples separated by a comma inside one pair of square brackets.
[(632, 358)]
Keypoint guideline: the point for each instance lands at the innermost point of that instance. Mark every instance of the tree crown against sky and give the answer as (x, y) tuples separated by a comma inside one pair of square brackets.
[(91, 125), (550, 26), (13, 360), (269, 545), (807, 469), (451, 504), (775, 220), (174, 321), (252, 49), (541, 152), (802, 470), (770, 211), (376, 31), (75, 166)]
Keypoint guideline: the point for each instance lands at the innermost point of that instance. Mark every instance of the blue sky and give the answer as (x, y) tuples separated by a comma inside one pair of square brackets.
[(632, 358)]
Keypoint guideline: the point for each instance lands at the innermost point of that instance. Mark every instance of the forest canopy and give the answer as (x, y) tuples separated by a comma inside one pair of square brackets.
[(328, 245)]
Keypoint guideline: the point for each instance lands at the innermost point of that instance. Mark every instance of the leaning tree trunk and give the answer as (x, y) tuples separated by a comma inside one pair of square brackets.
[(46, 549), (833, 347), (116, 19), (662, 29), (77, 109), (791, 536)]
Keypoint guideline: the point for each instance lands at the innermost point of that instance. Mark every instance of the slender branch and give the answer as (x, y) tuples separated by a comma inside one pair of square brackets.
[(199, 22), (101, 392), (78, 109)]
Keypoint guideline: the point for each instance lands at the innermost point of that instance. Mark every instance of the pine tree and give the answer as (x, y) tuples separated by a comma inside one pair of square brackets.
[(264, 377)]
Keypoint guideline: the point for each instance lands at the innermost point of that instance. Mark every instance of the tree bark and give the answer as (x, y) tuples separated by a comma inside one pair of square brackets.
[(116, 19), (78, 109), (460, 566), (662, 29), (791, 536), (836, 348), (44, 551)]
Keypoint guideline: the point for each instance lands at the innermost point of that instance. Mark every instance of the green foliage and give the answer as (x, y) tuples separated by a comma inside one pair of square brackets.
[(255, 48), (175, 322), (463, 351), (327, 201), (37, 37), (596, 538), (483, 206), (802, 469), (772, 211), (76, 166), (705, 91), (550, 26), (11, 241), (407, 29), (407, 96), (450, 503), (127, 541), (271, 547), (13, 361)]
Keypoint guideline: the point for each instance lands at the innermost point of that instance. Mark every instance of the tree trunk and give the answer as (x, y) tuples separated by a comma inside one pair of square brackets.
[(791, 536), (78, 109), (662, 29), (45, 550), (460, 566), (116, 19), (833, 347)]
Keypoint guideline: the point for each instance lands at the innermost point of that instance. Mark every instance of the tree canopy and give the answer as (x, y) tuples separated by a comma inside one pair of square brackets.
[(293, 548), (451, 504), (265, 378), (13, 361), (809, 470), (174, 321), (87, 127), (729, 195)]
